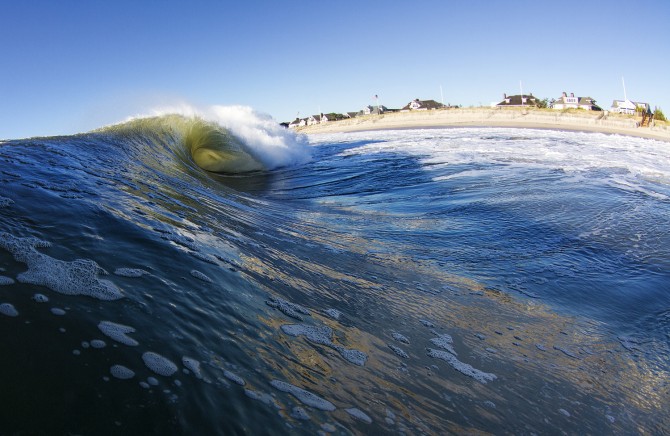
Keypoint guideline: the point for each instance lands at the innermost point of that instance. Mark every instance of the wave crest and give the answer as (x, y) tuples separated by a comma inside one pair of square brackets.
[(224, 139)]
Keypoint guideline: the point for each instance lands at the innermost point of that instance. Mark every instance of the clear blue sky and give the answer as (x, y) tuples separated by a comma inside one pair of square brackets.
[(71, 66)]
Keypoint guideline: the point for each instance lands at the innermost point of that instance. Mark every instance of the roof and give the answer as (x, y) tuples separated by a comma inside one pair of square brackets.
[(515, 100), (424, 104)]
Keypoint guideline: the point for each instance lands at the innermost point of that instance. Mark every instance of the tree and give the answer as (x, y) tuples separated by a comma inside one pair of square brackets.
[(658, 114), (543, 104)]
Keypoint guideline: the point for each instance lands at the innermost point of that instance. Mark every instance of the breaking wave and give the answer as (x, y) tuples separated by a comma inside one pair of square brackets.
[(221, 139)]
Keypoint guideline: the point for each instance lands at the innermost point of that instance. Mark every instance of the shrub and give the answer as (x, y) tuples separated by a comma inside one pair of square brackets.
[(658, 114)]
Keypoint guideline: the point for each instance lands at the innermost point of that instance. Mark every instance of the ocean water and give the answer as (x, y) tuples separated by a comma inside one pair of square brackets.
[(212, 273)]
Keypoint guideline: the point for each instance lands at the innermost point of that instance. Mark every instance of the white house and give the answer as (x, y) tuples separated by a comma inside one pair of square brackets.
[(316, 119), (572, 102), (629, 107), (297, 123)]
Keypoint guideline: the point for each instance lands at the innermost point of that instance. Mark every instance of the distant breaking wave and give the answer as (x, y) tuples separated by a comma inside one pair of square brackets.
[(232, 139)]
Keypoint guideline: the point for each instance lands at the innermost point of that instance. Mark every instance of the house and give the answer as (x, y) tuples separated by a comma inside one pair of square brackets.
[(572, 102), (629, 107), (518, 100), (317, 119), (422, 105), (373, 110), (297, 123)]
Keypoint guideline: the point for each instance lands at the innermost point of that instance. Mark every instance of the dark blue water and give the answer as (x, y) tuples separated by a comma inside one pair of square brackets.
[(435, 281)]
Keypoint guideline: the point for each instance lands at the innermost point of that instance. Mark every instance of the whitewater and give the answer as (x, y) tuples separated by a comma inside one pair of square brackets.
[(210, 272)]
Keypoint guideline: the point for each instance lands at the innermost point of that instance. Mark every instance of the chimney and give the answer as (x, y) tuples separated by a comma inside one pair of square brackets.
[(572, 94), (504, 95), (565, 94)]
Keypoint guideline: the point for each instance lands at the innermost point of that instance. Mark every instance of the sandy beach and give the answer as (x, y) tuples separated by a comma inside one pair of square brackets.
[(489, 117)]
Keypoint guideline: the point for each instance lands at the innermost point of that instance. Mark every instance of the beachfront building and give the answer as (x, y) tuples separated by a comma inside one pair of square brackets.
[(317, 119), (297, 123), (566, 101), (422, 105), (518, 100), (373, 110), (630, 107)]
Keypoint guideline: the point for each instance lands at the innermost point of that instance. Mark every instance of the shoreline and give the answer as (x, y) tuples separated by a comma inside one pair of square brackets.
[(484, 117)]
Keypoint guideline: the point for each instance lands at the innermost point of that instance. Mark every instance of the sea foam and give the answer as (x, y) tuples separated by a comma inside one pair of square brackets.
[(305, 397), (78, 277), (8, 309), (159, 364), (118, 332), (121, 372)]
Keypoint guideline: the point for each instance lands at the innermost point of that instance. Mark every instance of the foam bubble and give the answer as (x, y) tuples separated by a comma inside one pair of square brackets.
[(356, 357), (159, 364), (462, 367), (303, 396), (78, 277), (200, 276), (130, 272), (193, 365), (40, 298), (118, 332), (234, 378), (444, 341), (57, 311), (205, 257), (323, 335), (121, 372), (400, 338), (359, 414), (333, 313), (320, 335), (8, 309), (287, 308), (398, 351), (427, 323), (4, 201), (4, 281), (97, 343)]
